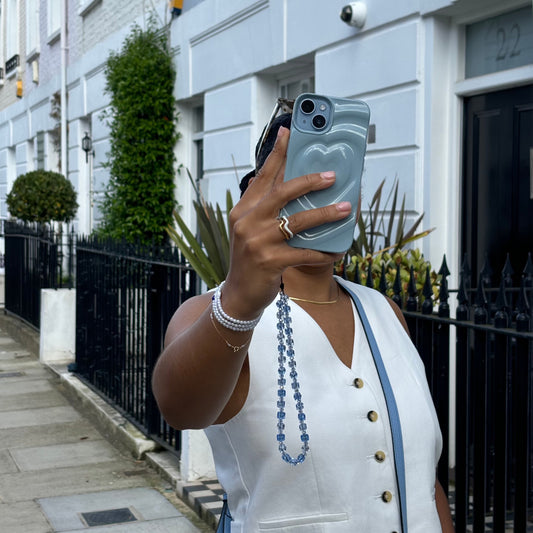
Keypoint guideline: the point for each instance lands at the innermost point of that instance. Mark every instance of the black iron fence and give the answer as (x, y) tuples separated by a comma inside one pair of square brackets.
[(36, 257), (125, 298), (491, 343)]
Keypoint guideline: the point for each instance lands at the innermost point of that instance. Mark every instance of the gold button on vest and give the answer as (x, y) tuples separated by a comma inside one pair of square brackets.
[(372, 416), (358, 383), (379, 456), (386, 496)]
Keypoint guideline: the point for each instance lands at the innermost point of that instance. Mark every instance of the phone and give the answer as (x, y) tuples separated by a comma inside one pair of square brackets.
[(327, 133)]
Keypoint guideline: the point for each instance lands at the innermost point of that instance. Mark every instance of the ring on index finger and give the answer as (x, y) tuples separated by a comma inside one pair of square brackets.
[(284, 228)]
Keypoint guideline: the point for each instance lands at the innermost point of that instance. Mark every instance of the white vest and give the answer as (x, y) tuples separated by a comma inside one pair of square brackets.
[(343, 483)]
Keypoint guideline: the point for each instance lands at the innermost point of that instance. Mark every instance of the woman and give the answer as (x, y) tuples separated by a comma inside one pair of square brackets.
[(327, 464)]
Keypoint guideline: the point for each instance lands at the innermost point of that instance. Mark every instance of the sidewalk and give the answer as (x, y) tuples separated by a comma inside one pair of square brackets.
[(58, 472)]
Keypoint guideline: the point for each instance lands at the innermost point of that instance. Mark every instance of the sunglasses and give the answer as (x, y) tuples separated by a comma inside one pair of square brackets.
[(283, 105)]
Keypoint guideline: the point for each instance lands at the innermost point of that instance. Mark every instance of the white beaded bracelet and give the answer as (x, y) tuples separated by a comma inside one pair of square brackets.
[(227, 321)]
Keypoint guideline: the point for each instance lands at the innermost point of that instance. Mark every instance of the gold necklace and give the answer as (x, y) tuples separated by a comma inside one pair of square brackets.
[(313, 301), (328, 302)]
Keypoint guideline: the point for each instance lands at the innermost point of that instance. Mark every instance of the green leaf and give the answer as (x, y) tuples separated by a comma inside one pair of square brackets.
[(193, 252)]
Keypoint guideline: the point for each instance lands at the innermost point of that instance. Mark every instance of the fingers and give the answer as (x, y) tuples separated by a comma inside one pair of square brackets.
[(314, 217), (273, 169), (297, 187)]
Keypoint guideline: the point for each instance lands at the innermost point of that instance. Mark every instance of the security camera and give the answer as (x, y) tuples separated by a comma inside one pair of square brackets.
[(354, 14)]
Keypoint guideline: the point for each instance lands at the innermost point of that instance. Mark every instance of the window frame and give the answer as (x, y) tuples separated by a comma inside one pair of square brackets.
[(33, 33), (11, 43), (53, 23)]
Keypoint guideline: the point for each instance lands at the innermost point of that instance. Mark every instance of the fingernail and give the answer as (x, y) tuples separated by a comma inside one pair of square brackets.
[(282, 131), (344, 206), (328, 176)]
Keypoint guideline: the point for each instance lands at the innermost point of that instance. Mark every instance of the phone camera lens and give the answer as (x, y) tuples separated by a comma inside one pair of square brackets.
[(319, 121), (307, 106)]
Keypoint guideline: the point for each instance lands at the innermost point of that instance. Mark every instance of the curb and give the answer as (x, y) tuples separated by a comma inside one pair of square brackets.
[(110, 422), (204, 496)]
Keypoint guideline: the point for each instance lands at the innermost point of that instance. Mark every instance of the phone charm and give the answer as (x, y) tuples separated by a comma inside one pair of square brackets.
[(286, 350)]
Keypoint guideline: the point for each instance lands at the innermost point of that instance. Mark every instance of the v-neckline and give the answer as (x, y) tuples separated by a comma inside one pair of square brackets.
[(322, 332)]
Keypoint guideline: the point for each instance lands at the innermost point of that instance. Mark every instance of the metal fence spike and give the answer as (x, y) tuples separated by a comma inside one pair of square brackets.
[(522, 317), (412, 302), (480, 306), (527, 273), (369, 280), (501, 317), (487, 272), (383, 280), (397, 288), (427, 291), (507, 272), (444, 271), (357, 273)]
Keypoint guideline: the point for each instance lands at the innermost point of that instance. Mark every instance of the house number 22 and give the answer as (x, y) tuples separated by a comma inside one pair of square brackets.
[(508, 42)]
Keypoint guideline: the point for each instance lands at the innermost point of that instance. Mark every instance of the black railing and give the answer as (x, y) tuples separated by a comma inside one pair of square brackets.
[(36, 257), (125, 298), (491, 342)]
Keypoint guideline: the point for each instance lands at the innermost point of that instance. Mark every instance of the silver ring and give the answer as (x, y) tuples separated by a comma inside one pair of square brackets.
[(284, 228)]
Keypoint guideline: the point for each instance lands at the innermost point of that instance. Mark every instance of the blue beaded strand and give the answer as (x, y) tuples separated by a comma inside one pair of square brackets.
[(286, 350)]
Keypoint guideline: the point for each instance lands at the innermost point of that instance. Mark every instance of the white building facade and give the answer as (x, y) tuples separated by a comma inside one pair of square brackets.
[(449, 84), (425, 67), (59, 51)]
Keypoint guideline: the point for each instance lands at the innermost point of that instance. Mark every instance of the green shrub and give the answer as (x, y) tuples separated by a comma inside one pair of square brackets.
[(42, 196), (139, 199), (384, 261)]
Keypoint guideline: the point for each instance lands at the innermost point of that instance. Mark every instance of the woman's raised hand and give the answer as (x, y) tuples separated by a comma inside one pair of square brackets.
[(259, 252)]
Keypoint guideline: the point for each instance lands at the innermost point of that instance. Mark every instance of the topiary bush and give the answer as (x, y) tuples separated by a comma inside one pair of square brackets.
[(139, 199), (42, 196)]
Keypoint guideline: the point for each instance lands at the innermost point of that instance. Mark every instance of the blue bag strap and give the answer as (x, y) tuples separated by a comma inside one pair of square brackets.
[(394, 417), (224, 522)]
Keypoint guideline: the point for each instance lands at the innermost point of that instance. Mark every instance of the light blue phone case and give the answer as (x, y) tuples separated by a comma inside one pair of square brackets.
[(338, 145)]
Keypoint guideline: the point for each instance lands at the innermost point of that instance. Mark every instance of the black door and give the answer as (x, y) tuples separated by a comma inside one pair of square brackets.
[(498, 178)]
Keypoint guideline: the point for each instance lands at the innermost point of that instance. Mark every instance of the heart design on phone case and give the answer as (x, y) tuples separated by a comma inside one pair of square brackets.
[(320, 158)]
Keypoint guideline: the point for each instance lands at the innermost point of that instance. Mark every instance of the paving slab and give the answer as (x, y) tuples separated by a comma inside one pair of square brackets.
[(23, 517), (67, 512), (24, 486), (32, 400), (63, 455), (56, 433), (11, 387), (27, 368), (37, 417), (12, 351), (7, 465)]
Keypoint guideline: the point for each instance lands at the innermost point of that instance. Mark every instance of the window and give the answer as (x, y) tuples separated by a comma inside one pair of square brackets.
[(12, 35), (32, 29), (41, 154), (198, 139), (499, 43), (54, 17), (291, 88)]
